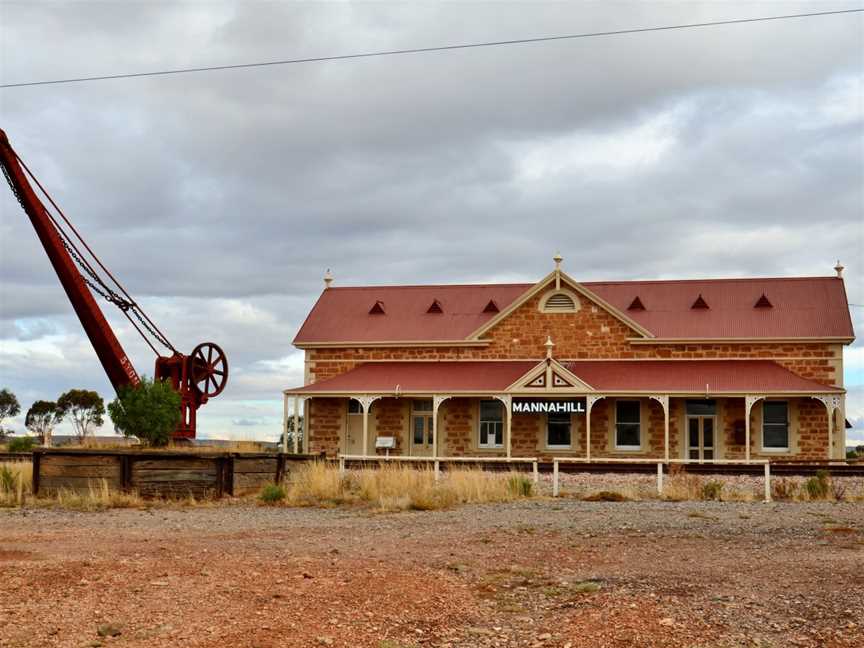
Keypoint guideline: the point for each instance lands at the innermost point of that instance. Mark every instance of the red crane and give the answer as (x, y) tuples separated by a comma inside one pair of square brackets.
[(197, 377)]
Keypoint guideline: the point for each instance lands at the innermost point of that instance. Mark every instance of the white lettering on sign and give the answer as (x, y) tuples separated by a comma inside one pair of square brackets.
[(548, 407)]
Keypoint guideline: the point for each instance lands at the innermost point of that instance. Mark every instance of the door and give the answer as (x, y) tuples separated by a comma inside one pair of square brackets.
[(354, 429), (700, 437), (421, 428)]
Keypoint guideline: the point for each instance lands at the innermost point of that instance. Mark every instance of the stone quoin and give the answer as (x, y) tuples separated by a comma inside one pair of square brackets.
[(713, 369)]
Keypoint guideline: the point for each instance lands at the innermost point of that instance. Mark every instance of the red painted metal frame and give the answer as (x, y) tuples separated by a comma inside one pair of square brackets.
[(184, 373), (108, 349)]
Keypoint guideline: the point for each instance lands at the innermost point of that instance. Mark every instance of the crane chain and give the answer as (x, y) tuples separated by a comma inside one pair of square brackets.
[(102, 289)]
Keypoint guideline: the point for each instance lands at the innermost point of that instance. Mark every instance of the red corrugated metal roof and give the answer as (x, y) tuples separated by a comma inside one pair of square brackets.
[(662, 376), (802, 307), (342, 314), (440, 377), (693, 376)]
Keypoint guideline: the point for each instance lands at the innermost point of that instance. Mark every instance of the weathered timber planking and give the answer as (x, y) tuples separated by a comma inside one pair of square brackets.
[(79, 460), (173, 463), (177, 489), (50, 469), (245, 483), (77, 484), (141, 476), (243, 465)]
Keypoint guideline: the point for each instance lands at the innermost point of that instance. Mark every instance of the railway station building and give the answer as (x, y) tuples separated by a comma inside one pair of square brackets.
[(704, 370)]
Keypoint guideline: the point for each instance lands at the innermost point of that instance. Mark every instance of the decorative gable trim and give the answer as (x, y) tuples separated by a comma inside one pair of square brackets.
[(549, 376), (558, 277)]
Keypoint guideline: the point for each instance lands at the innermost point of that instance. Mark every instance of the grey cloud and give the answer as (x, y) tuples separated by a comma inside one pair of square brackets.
[(219, 199)]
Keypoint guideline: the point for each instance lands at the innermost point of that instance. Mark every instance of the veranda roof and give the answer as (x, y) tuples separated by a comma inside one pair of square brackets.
[(603, 376)]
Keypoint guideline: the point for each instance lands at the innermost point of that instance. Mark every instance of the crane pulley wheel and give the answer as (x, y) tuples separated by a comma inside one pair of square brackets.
[(209, 369)]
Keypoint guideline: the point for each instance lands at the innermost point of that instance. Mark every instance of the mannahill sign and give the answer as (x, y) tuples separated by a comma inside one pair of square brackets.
[(552, 406)]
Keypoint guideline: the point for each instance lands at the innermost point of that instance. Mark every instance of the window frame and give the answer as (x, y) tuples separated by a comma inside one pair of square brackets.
[(425, 415), (788, 425), (627, 448), (479, 438), (551, 446), (359, 405)]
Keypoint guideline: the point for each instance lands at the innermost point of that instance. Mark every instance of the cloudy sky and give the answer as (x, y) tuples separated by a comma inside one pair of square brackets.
[(221, 198)]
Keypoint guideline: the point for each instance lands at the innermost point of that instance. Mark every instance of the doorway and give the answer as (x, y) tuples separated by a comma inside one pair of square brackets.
[(354, 429), (422, 434), (701, 429)]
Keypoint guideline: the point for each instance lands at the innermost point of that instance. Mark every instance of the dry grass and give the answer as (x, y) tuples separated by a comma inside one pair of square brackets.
[(16, 489), (393, 487), (16, 482), (98, 497)]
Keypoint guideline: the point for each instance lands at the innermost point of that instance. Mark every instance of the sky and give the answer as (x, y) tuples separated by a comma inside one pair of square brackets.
[(220, 199)]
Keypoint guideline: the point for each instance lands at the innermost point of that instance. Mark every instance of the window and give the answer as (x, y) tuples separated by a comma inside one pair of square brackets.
[(354, 406), (491, 424), (627, 425), (775, 425), (558, 430)]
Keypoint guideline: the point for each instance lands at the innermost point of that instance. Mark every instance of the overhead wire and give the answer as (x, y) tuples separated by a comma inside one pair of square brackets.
[(426, 50)]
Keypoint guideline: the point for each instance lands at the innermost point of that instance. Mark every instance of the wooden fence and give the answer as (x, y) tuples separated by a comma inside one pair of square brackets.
[(159, 473)]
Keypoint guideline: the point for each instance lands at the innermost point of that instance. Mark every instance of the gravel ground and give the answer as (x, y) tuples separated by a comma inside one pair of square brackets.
[(536, 573)]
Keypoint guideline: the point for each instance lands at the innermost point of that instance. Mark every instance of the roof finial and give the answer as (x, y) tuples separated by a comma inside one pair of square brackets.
[(549, 345), (557, 259), (839, 269), (328, 279)]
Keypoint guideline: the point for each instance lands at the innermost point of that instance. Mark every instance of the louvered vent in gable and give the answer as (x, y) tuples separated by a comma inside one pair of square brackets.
[(435, 307), (377, 308), (700, 303), (559, 302), (491, 307), (763, 302), (636, 304)]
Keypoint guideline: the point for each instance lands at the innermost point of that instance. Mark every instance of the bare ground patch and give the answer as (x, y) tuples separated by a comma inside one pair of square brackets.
[(538, 573)]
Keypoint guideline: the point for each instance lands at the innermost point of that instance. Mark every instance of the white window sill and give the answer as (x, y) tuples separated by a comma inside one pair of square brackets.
[(628, 448), (560, 447), (776, 450)]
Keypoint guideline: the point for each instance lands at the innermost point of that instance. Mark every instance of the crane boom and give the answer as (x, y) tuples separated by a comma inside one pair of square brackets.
[(197, 377), (108, 348)]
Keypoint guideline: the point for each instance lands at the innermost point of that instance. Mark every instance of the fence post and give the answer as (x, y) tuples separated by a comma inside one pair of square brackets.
[(660, 479), (536, 470), (437, 470), (554, 478), (767, 482), (341, 466)]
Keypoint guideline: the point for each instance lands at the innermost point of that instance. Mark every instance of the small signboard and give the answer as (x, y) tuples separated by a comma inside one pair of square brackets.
[(387, 442), (548, 406)]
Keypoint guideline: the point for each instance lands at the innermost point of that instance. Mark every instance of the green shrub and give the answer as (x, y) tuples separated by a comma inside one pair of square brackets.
[(817, 487), (21, 444), (149, 411), (520, 486), (712, 490), (272, 493)]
